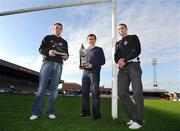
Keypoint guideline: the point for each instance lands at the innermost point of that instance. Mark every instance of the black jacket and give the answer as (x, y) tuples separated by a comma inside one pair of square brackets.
[(48, 43), (128, 47)]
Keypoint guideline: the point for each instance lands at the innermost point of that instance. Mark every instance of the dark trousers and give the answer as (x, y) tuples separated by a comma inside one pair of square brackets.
[(132, 74), (90, 82)]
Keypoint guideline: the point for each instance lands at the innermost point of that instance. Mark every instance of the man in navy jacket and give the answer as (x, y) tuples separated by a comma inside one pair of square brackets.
[(91, 78)]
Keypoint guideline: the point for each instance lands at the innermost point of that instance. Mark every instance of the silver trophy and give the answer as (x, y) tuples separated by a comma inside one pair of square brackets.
[(82, 57), (59, 50)]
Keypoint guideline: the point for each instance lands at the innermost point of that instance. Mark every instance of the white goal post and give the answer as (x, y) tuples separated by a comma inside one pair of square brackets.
[(114, 36)]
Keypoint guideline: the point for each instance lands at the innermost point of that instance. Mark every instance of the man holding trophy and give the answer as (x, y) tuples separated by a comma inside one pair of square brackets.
[(54, 50), (95, 58)]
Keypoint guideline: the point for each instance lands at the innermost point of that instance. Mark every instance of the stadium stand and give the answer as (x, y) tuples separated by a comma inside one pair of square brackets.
[(17, 78)]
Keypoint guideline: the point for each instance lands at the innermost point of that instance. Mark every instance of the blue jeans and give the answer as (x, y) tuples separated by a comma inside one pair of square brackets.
[(90, 82), (51, 70)]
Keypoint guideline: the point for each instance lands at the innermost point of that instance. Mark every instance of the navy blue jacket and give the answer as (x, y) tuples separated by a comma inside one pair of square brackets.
[(95, 56)]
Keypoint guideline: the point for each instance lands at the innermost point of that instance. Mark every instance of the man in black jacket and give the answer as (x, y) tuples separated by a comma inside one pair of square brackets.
[(54, 50), (126, 56), (91, 78)]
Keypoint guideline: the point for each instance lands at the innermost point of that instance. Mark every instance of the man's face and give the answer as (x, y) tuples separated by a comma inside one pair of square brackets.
[(122, 30), (91, 40), (57, 30)]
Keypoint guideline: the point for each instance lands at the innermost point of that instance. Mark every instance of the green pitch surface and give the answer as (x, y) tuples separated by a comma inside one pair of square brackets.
[(15, 111)]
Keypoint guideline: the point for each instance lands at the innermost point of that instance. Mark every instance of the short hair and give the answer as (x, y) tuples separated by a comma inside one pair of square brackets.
[(122, 24), (58, 24), (92, 35)]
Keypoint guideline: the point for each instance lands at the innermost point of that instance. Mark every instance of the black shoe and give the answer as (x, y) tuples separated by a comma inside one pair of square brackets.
[(84, 115)]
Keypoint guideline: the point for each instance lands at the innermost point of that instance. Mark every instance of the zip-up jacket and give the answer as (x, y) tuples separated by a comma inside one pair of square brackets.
[(50, 42), (128, 47)]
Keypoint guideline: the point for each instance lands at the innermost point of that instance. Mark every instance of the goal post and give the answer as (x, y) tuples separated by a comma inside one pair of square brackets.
[(114, 96)]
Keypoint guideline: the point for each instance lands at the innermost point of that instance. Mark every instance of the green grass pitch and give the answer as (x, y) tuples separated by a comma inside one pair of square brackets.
[(15, 111)]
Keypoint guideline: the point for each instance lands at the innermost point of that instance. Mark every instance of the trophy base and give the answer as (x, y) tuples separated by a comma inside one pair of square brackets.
[(81, 67), (60, 53)]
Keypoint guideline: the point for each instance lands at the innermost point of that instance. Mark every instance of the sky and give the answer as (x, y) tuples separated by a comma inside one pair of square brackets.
[(156, 22)]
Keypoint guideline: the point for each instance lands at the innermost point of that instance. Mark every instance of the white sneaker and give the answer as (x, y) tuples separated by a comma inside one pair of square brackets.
[(135, 125), (130, 122), (52, 116), (33, 117)]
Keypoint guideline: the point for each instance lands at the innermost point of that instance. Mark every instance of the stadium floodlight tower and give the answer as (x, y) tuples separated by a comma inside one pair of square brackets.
[(154, 64), (114, 35)]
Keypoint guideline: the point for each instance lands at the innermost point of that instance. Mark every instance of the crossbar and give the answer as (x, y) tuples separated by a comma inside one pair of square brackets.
[(53, 6)]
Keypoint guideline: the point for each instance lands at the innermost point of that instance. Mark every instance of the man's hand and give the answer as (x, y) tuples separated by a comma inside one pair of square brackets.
[(65, 57), (52, 53), (88, 66), (121, 63)]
